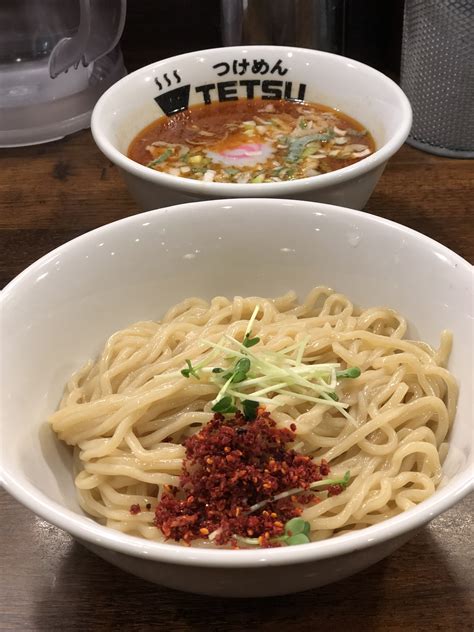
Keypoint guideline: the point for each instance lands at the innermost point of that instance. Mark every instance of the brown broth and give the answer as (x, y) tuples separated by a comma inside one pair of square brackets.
[(224, 128)]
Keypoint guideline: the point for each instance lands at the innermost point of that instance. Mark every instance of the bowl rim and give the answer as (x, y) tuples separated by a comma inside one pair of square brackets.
[(86, 529), (268, 189)]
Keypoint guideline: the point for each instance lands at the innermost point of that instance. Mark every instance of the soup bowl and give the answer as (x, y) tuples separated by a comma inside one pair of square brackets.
[(225, 74), (58, 313)]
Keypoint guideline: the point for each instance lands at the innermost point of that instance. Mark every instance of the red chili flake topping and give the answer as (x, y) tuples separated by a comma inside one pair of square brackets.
[(230, 465), (324, 468), (335, 490), (135, 509)]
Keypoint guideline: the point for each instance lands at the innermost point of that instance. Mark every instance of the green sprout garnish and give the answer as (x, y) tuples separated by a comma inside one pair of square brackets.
[(352, 372), (250, 408), (268, 377), (295, 526), (343, 482), (250, 342), (296, 532), (265, 375), (296, 529), (239, 374), (224, 405), (299, 538), (190, 370)]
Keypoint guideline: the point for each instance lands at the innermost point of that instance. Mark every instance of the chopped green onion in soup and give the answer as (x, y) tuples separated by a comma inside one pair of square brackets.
[(252, 142)]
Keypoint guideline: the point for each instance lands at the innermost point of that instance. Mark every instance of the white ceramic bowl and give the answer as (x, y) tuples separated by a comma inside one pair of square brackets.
[(58, 313), (354, 88)]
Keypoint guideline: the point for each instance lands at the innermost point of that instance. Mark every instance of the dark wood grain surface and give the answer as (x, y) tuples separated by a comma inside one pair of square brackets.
[(52, 193)]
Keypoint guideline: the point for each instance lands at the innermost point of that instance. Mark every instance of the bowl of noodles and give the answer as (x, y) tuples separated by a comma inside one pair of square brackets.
[(259, 121), (222, 401)]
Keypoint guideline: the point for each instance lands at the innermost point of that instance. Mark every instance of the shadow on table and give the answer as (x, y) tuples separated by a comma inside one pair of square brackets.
[(412, 585)]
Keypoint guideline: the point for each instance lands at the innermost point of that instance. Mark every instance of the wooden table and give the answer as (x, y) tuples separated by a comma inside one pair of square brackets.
[(52, 193)]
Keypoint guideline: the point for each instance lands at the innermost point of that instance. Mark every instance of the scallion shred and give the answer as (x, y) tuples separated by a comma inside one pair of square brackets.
[(164, 156)]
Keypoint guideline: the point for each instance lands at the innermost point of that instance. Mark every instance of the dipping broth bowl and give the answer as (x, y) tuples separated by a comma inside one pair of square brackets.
[(58, 313), (223, 74)]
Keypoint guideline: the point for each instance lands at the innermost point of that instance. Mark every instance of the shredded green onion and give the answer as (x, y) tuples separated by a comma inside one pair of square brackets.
[(164, 156), (296, 146), (269, 377)]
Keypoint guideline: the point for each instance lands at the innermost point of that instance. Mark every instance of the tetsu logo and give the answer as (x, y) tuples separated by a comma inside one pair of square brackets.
[(177, 99), (167, 79)]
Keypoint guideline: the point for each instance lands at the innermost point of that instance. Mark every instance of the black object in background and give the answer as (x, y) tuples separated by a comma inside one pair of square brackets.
[(371, 31), (155, 30)]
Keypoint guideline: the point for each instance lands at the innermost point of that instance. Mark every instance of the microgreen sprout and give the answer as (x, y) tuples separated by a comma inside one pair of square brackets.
[(238, 374), (343, 482), (296, 532), (351, 372), (252, 319), (190, 370), (240, 371), (250, 342), (225, 405), (269, 377), (250, 408), (298, 538)]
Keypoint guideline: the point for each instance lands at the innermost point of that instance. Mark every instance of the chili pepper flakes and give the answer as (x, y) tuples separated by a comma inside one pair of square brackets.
[(335, 490), (230, 465), (135, 509)]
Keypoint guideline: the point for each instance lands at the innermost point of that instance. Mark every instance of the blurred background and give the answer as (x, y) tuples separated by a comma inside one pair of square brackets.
[(58, 56), (367, 30)]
